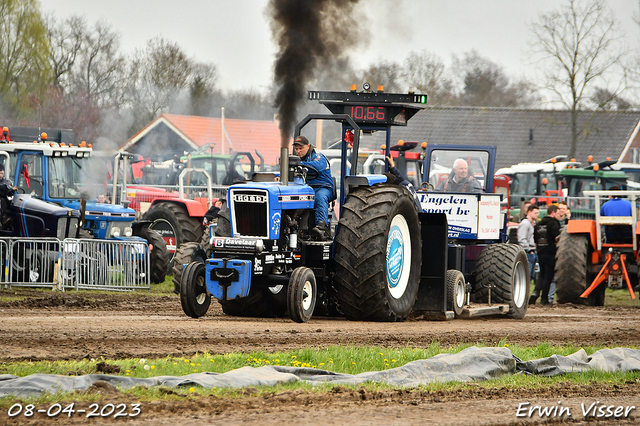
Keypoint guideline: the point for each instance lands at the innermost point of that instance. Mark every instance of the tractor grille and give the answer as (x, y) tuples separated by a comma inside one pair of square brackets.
[(250, 210)]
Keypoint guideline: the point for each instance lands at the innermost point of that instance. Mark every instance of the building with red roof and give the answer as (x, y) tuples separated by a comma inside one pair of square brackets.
[(171, 134)]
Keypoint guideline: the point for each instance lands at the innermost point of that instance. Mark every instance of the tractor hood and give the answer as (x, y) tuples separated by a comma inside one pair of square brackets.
[(96, 210)]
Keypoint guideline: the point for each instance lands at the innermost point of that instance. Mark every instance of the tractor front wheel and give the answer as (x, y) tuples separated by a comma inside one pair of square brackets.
[(194, 297), (185, 254), (301, 294)]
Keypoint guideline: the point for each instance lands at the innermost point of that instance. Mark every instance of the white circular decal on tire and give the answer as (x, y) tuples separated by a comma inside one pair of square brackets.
[(398, 256)]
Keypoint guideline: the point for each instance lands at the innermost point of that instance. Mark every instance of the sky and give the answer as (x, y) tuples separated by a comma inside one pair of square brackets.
[(235, 35)]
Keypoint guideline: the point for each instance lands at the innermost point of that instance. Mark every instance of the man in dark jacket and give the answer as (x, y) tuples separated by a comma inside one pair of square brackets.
[(322, 184), (395, 177), (6, 190), (459, 180), (546, 235)]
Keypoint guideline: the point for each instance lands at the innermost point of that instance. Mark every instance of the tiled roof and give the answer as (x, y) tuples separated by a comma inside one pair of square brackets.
[(245, 135), (510, 130)]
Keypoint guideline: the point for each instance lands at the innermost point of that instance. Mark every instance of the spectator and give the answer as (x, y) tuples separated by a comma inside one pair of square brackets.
[(562, 211), (102, 199), (459, 181), (526, 240), (524, 210), (6, 190), (212, 212), (546, 236)]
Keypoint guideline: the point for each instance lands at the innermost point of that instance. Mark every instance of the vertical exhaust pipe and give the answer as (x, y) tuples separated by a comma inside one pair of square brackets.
[(284, 166)]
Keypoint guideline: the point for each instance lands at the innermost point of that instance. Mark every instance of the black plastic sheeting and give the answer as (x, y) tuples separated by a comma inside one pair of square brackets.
[(471, 364)]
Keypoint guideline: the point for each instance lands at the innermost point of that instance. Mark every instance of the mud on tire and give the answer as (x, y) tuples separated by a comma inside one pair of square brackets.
[(505, 268), (377, 223)]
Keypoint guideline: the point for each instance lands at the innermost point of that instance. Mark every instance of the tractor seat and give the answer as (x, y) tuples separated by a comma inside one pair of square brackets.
[(617, 231)]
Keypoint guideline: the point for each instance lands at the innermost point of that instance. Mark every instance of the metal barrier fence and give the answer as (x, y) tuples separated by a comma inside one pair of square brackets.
[(141, 198), (75, 264)]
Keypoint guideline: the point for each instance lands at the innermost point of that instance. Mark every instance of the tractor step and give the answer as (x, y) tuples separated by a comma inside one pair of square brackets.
[(483, 310)]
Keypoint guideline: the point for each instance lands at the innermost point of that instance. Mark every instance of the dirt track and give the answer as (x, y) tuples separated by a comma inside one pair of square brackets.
[(51, 326)]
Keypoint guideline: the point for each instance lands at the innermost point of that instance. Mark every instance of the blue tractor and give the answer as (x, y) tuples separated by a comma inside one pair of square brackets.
[(387, 256), (45, 164)]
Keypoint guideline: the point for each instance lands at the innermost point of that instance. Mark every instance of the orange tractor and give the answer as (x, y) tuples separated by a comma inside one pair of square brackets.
[(595, 254)]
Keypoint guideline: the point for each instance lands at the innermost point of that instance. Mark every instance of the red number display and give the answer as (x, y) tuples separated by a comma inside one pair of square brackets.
[(368, 113)]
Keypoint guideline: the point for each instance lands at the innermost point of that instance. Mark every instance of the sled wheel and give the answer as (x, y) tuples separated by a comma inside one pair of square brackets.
[(455, 291), (194, 296), (505, 268), (301, 294)]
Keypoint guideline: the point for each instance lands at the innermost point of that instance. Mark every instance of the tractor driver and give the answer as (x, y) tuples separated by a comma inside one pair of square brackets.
[(459, 181), (322, 184)]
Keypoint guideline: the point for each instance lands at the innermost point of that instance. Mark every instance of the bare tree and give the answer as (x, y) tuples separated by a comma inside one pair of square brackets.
[(484, 83), (162, 77), (579, 51), (424, 72), (100, 69), (65, 39), (386, 74)]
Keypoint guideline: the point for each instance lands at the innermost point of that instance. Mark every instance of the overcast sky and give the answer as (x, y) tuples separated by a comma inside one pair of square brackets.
[(234, 34)]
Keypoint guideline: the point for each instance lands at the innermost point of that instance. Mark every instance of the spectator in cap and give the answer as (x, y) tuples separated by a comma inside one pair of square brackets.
[(321, 182)]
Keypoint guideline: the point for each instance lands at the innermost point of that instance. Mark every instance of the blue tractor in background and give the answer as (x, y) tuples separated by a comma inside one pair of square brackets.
[(45, 164), (387, 256)]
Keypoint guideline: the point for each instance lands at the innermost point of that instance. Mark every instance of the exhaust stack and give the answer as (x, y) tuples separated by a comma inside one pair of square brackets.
[(284, 165)]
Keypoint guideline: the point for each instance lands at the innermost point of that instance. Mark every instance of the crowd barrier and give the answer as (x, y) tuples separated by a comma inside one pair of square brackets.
[(75, 264)]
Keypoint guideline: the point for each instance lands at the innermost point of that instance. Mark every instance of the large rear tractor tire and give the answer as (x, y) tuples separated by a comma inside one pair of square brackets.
[(186, 253), (572, 277), (174, 225), (159, 255), (194, 297), (504, 268), (378, 254)]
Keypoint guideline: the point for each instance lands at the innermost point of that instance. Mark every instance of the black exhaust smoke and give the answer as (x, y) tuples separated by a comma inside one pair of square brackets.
[(310, 34)]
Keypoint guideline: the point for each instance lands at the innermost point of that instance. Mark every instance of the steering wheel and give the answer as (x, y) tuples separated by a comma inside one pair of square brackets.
[(20, 190), (428, 186), (311, 173)]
